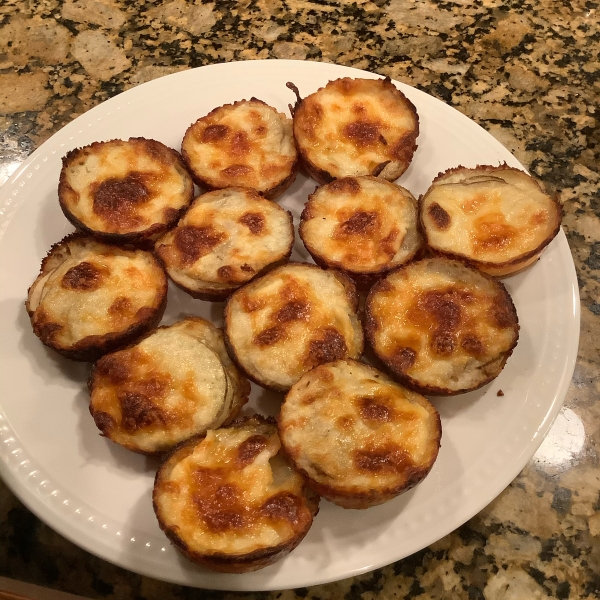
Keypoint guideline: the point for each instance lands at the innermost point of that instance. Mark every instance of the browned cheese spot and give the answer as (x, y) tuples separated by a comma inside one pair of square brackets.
[(121, 307), (389, 459), (214, 133), (539, 217), (346, 422), (443, 342), (283, 507), (249, 449), (370, 410), (362, 133), (441, 219), (360, 223), (104, 422), (403, 359), (493, 233), (196, 242), (472, 345), (116, 200), (84, 277), (330, 346), (387, 243), (309, 399), (269, 336), (240, 146), (237, 170), (293, 311), (346, 185), (139, 412), (170, 214), (251, 304), (255, 222), (443, 307), (502, 312), (219, 507), (114, 367), (247, 268), (226, 273)]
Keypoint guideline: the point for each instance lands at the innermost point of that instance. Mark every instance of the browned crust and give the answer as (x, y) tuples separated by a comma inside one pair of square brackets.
[(219, 561), (143, 239), (361, 499), (322, 176), (371, 326), (509, 267), (92, 347), (206, 183), (351, 294)]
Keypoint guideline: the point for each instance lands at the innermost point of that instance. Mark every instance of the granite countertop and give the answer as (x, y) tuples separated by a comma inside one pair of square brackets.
[(528, 72)]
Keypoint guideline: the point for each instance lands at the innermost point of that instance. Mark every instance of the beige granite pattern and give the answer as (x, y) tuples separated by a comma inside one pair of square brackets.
[(527, 71)]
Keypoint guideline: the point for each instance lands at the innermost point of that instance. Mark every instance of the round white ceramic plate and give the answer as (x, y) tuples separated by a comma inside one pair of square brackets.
[(99, 495)]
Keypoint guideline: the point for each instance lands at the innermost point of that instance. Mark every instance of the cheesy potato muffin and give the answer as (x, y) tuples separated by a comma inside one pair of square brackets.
[(290, 320), (498, 219), (363, 226), (175, 383), (226, 238), (442, 328), (354, 127), (124, 191), (358, 437), (247, 144), (90, 297), (230, 501)]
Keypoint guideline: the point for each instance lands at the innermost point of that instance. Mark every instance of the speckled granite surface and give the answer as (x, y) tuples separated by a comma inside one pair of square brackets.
[(528, 72)]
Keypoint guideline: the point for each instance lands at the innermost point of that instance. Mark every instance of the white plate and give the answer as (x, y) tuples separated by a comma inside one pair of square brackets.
[(98, 494)]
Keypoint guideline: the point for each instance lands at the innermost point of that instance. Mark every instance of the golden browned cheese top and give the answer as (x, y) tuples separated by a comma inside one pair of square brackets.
[(355, 127), (91, 289), (232, 493), (489, 214), (290, 320), (350, 428), (227, 237), (160, 392), (437, 321), (246, 144), (361, 224), (121, 186)]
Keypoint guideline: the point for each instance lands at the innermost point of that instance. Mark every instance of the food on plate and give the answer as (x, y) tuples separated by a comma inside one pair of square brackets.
[(441, 327), (124, 191), (226, 238), (290, 320), (498, 219), (355, 127), (247, 144), (91, 298), (358, 437), (363, 226), (176, 383), (230, 501)]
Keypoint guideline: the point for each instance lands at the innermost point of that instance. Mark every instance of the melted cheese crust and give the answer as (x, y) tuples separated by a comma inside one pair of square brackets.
[(355, 432), (246, 144), (87, 288), (290, 320), (120, 187), (231, 494), (160, 392), (225, 239), (443, 325), (351, 127), (492, 215), (361, 225)]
